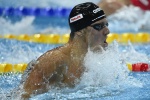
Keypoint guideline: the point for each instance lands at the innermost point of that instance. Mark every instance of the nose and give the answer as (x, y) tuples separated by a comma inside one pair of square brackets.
[(106, 31)]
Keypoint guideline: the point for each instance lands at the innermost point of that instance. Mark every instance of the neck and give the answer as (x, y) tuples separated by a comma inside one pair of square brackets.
[(78, 49)]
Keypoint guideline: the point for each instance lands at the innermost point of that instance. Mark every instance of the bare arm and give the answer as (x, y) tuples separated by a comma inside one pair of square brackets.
[(110, 6), (74, 74), (47, 71)]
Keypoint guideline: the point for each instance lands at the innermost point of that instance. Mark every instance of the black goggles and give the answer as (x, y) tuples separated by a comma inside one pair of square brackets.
[(100, 26)]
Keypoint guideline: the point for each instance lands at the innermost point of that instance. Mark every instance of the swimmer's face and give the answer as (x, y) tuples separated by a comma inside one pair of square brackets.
[(98, 35)]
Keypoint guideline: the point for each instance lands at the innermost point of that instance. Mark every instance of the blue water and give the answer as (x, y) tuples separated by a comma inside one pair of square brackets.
[(125, 85), (137, 87)]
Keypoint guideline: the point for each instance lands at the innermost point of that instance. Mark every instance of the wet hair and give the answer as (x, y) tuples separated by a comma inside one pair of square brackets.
[(83, 15)]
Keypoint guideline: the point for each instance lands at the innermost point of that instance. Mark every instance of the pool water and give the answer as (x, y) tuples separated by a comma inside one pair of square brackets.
[(136, 91), (106, 77)]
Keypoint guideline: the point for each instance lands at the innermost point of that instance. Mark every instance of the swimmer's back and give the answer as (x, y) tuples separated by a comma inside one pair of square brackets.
[(49, 69)]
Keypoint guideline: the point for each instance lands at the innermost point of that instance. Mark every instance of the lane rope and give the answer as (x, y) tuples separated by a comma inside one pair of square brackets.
[(21, 67), (57, 39), (123, 38), (34, 11)]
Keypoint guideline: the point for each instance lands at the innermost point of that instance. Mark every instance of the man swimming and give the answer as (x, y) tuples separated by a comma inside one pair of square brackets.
[(112, 6), (64, 65)]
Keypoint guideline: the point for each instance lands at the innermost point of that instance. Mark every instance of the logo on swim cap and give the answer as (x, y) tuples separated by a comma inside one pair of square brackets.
[(75, 18), (96, 10)]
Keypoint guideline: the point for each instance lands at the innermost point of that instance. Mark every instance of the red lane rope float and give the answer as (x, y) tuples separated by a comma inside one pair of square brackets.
[(139, 67)]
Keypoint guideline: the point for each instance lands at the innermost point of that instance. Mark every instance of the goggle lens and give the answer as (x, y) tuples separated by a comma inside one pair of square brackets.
[(99, 26)]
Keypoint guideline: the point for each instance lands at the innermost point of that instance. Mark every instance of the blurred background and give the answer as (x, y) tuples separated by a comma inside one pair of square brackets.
[(30, 20), (34, 18), (49, 16)]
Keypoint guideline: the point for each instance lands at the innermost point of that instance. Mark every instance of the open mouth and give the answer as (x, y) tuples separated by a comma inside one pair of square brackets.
[(105, 43)]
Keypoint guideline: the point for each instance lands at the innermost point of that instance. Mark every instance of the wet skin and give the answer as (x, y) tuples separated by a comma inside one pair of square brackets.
[(64, 64), (98, 38)]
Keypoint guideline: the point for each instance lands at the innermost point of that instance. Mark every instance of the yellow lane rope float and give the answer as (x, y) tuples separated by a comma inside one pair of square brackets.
[(7, 67), (20, 67), (57, 39), (123, 38)]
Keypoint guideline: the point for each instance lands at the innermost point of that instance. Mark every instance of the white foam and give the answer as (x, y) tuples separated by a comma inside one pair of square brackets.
[(106, 68), (130, 55), (16, 52), (128, 19), (23, 26)]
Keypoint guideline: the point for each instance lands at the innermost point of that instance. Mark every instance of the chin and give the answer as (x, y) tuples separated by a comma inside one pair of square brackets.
[(97, 49)]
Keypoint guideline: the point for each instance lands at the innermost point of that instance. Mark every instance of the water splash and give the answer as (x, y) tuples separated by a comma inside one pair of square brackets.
[(22, 26), (17, 52), (103, 68), (7, 84), (106, 76), (132, 22), (130, 55), (106, 68), (13, 51)]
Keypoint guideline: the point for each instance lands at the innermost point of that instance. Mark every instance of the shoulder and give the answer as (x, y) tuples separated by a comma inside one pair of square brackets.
[(54, 56)]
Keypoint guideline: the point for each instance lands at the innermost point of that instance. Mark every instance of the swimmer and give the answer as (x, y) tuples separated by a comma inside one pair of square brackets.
[(63, 66), (112, 6)]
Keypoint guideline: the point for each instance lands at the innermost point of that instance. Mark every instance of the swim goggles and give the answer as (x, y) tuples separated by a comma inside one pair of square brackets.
[(100, 26)]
